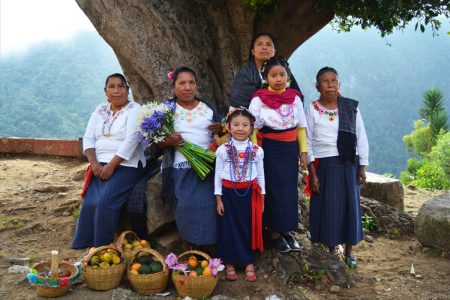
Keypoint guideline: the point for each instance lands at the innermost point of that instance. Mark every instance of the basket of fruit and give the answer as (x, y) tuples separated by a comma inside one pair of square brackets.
[(147, 272), (129, 243), (53, 278), (103, 268), (197, 277)]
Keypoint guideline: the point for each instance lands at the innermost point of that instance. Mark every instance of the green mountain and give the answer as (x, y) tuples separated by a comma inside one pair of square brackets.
[(51, 91)]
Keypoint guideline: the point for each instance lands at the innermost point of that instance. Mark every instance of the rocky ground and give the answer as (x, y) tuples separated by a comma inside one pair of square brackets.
[(39, 200)]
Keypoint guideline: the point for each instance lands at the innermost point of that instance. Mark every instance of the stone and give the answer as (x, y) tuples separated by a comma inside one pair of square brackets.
[(53, 189), (387, 217), (17, 269), (17, 260), (384, 189), (368, 238), (335, 289), (169, 239), (159, 214), (432, 226)]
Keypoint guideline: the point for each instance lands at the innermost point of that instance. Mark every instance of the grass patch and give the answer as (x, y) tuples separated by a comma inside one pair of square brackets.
[(11, 223), (435, 252), (307, 274), (369, 223), (76, 212)]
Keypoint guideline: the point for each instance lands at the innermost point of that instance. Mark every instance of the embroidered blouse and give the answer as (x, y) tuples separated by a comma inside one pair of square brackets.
[(285, 117), (193, 126), (223, 164), (116, 134), (322, 132)]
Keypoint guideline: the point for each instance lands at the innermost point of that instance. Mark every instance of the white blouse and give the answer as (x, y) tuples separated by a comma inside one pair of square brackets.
[(322, 132), (192, 124), (285, 117), (112, 135), (223, 164)]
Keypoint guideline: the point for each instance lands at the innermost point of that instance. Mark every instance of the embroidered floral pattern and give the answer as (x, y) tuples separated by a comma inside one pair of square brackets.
[(189, 115), (332, 114), (109, 118)]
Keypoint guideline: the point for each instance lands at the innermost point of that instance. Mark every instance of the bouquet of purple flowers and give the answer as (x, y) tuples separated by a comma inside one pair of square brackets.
[(156, 121)]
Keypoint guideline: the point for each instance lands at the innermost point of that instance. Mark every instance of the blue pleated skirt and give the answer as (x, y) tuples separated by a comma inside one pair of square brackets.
[(281, 169), (195, 207), (102, 206), (234, 228), (335, 213)]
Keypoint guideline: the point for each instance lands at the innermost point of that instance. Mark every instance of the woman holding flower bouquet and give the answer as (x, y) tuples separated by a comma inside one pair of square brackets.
[(192, 196), (116, 161)]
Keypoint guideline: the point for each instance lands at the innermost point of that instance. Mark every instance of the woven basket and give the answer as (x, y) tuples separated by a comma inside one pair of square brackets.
[(103, 279), (50, 287), (149, 284), (195, 287), (127, 254)]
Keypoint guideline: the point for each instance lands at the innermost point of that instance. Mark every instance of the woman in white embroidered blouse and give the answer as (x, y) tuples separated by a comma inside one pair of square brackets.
[(338, 152), (192, 198), (116, 160)]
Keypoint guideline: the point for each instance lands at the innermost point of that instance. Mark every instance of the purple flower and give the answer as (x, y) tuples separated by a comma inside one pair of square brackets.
[(215, 265), (170, 104), (171, 260), (181, 267)]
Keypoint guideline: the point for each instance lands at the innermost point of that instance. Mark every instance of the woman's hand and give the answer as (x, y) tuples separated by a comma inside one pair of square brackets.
[(361, 174), (107, 171), (215, 128), (304, 160), (173, 140), (220, 208), (314, 183), (96, 168)]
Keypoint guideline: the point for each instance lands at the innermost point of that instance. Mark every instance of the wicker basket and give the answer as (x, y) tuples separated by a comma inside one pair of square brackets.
[(149, 284), (103, 279), (195, 287), (127, 254), (50, 287)]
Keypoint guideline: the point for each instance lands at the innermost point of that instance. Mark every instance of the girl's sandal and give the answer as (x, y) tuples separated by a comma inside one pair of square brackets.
[(350, 261), (250, 274), (231, 274)]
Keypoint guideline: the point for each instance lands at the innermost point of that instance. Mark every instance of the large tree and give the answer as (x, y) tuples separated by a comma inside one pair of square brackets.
[(151, 37)]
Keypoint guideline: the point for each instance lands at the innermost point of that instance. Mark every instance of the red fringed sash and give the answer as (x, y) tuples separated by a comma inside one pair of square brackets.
[(307, 191), (257, 206), (87, 180), (284, 136)]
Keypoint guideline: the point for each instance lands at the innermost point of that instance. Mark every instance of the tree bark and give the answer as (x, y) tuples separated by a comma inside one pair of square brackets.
[(152, 37)]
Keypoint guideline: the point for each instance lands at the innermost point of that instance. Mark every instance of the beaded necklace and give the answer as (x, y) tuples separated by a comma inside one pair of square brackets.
[(238, 171)]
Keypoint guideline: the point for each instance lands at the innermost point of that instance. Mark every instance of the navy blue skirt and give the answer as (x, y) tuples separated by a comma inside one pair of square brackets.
[(195, 207), (234, 228), (335, 213), (102, 206), (281, 169)]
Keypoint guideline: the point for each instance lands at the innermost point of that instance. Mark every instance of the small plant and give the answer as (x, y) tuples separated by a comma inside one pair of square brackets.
[(11, 223), (307, 274), (369, 223), (394, 233)]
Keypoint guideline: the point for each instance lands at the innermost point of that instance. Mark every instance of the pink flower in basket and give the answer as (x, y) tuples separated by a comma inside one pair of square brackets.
[(172, 263), (63, 282), (215, 265)]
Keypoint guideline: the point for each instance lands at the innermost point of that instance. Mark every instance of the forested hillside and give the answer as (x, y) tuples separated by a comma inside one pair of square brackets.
[(52, 90)]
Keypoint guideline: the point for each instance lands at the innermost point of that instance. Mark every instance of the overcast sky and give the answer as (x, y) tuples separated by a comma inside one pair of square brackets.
[(27, 22)]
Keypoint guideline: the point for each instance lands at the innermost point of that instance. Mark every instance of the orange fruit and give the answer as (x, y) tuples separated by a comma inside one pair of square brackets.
[(193, 274), (135, 272), (136, 266), (207, 272), (204, 264), (192, 261)]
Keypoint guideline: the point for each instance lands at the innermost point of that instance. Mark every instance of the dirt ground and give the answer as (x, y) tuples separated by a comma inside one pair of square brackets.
[(39, 200)]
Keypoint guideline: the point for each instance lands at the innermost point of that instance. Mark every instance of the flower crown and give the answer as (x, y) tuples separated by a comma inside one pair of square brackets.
[(237, 109)]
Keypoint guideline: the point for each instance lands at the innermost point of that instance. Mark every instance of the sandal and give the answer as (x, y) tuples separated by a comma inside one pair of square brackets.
[(350, 261), (231, 274), (250, 274)]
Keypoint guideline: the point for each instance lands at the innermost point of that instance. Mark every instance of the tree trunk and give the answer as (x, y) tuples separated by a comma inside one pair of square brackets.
[(150, 38)]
